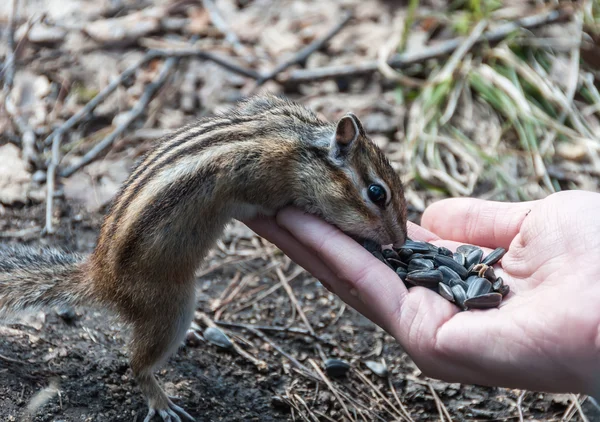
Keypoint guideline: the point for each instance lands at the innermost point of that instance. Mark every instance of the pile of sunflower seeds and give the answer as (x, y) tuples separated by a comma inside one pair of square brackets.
[(464, 277)]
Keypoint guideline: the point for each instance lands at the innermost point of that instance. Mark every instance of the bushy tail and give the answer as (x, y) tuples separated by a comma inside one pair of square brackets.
[(32, 278)]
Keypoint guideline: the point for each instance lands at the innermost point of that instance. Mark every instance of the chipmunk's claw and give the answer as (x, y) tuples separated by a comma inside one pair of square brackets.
[(172, 414)]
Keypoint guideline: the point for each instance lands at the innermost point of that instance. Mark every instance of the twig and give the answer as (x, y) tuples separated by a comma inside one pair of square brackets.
[(437, 51), (292, 330), (301, 56), (443, 412), (221, 25), (9, 65), (402, 413), (289, 357), (133, 114), (150, 55), (520, 405), (395, 394), (332, 389), (579, 409), (8, 359), (201, 54), (261, 365), (50, 179)]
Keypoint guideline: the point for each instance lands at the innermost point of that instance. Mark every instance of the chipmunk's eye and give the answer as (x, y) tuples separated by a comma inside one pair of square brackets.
[(376, 194)]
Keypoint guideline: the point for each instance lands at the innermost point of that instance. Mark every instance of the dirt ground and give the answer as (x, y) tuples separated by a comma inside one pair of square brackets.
[(76, 369)]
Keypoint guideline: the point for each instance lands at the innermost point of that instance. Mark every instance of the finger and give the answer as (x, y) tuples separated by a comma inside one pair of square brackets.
[(475, 221), (416, 232), (269, 229), (377, 287)]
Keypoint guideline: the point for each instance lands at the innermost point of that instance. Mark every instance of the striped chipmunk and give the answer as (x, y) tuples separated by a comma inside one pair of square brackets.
[(264, 154)]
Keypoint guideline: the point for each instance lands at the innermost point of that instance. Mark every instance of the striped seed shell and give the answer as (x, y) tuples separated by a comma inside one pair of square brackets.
[(396, 263), (405, 253), (459, 282), (444, 251), (504, 290), (488, 300), (390, 253), (402, 273), (420, 265), (497, 285), (489, 274), (452, 264), (429, 278), (417, 246), (479, 286), (465, 249), (459, 257), (459, 296), (445, 291), (448, 274), (494, 256), (473, 258)]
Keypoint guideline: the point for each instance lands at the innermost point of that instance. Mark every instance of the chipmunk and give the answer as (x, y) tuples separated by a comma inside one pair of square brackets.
[(265, 154)]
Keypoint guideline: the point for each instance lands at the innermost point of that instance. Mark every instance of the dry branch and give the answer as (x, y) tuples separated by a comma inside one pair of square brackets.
[(435, 52), (301, 56), (221, 25), (133, 114), (150, 55)]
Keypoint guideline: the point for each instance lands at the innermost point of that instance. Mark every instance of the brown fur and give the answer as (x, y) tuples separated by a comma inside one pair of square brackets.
[(265, 154)]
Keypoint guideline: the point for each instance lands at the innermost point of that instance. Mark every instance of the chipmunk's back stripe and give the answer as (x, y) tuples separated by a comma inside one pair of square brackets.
[(173, 141), (192, 146)]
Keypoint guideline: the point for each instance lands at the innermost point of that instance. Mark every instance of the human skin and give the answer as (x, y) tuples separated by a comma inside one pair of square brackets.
[(545, 336)]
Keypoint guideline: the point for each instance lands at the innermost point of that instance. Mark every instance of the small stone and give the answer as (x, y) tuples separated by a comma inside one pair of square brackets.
[(378, 368)]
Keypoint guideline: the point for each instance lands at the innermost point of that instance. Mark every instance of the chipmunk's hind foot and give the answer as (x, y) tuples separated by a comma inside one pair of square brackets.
[(173, 414)]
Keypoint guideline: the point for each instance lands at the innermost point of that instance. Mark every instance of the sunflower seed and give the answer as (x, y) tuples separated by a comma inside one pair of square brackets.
[(459, 258), (504, 290), (489, 274), (497, 285), (429, 278), (417, 246), (405, 253), (396, 263), (479, 286), (473, 257), (401, 273), (217, 337), (448, 274), (459, 296), (390, 254), (494, 256), (452, 264), (445, 291), (465, 249), (444, 251), (489, 300), (336, 367), (459, 282), (420, 265)]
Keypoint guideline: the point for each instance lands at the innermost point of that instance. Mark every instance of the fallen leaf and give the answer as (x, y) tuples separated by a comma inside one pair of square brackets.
[(14, 177)]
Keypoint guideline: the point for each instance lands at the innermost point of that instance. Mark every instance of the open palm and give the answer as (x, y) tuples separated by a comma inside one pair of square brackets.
[(545, 335)]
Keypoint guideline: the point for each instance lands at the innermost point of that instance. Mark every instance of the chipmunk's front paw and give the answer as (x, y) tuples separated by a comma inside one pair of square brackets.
[(173, 414)]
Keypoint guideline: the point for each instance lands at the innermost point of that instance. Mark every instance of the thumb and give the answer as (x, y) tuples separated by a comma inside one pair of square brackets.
[(475, 221)]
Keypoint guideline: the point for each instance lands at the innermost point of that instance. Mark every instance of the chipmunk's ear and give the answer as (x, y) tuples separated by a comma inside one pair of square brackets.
[(347, 131)]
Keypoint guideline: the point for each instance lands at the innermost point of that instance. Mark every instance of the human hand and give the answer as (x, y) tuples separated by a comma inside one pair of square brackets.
[(546, 334)]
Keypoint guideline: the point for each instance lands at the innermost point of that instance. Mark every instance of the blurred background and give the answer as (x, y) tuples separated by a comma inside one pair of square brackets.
[(484, 98)]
